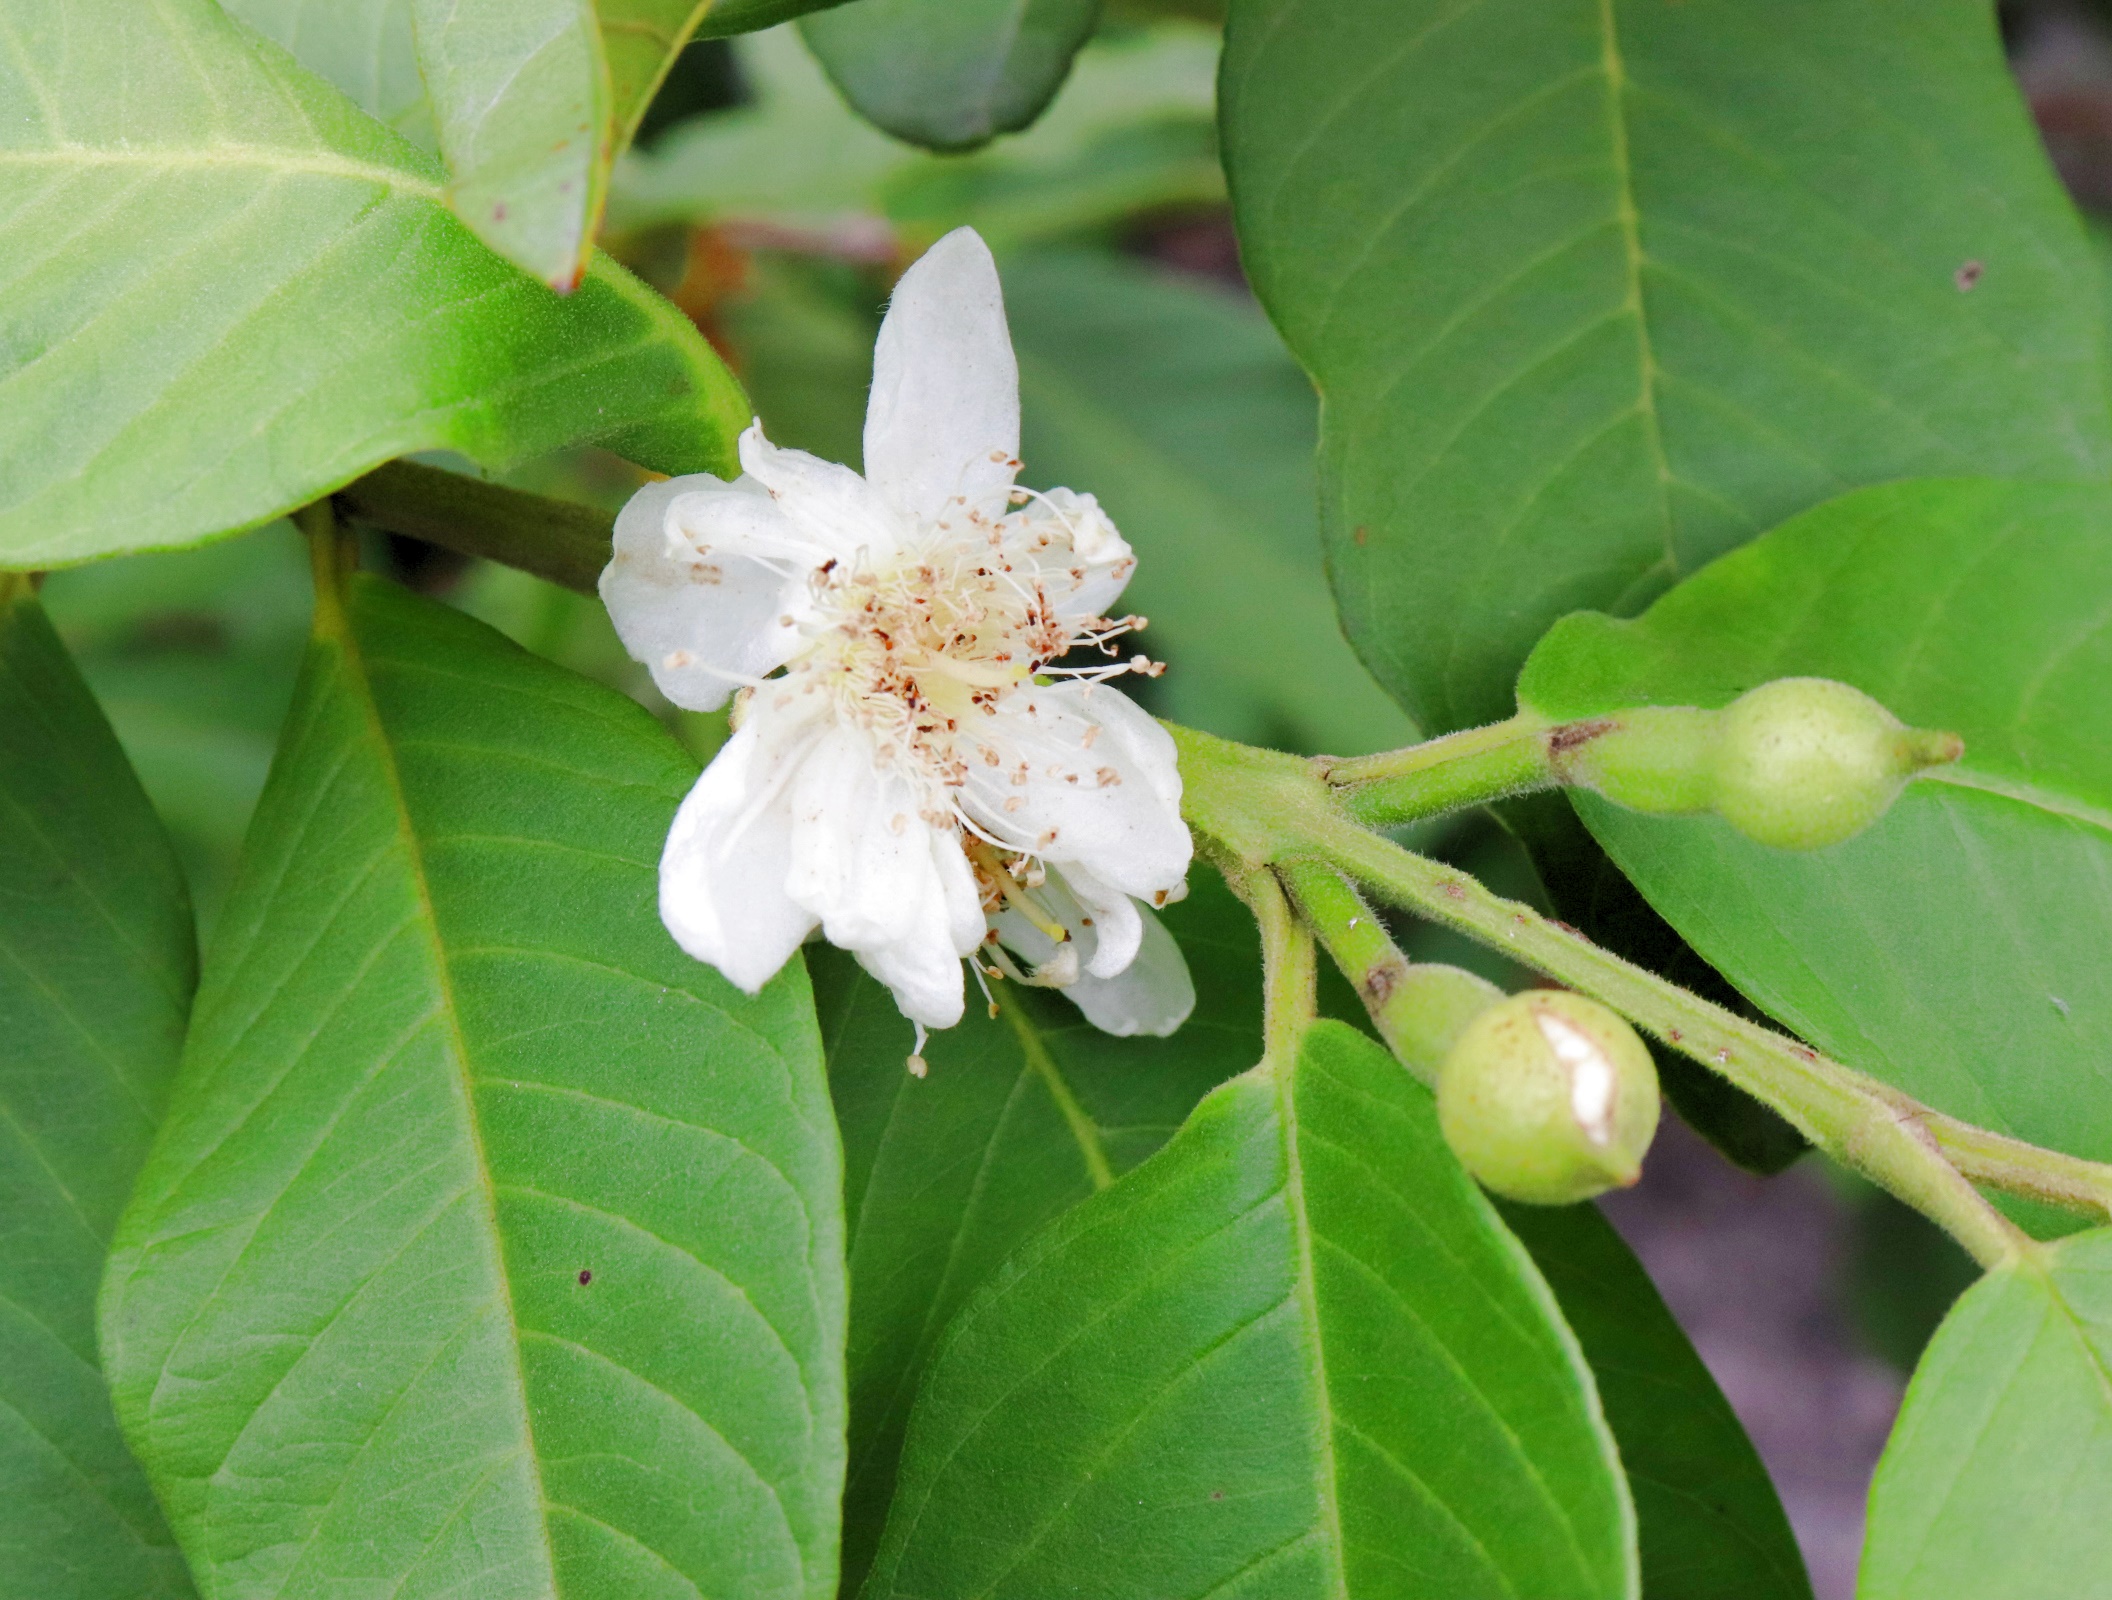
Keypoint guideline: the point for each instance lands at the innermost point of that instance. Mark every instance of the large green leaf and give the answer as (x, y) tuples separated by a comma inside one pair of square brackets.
[(333, 314), (1293, 1354), (1021, 1117), (1599, 289), (1710, 1525), (1176, 404), (950, 74), (1957, 948), (529, 101), (491, 1245), (96, 971), (1995, 1482)]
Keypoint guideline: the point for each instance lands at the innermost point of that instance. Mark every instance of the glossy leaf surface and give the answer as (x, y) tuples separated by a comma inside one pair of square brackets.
[(1956, 949), (491, 1246), (334, 313), (96, 971), (1294, 1354), (950, 74), (1596, 290), (1709, 1522), (1021, 1117), (1995, 1480)]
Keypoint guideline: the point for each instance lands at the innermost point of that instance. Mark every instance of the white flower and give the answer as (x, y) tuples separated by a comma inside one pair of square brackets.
[(919, 781)]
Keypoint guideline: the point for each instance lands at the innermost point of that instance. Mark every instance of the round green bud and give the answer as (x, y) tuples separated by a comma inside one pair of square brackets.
[(1549, 1098), (1802, 763)]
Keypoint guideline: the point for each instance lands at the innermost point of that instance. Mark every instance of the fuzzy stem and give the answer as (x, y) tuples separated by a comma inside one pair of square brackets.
[(554, 539), (1464, 769), (1859, 1120), (2000, 1162), (1419, 1010), (1288, 969)]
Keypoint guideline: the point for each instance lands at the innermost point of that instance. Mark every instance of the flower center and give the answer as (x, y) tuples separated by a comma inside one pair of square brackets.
[(919, 650)]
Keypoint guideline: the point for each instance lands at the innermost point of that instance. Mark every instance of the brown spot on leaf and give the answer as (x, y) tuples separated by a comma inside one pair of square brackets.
[(1362, 536), (1968, 275)]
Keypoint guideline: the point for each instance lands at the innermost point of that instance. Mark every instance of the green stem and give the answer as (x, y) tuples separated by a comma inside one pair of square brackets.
[(332, 556), (1419, 1009), (554, 539), (1259, 808), (1288, 971), (1464, 769), (1861, 1121), (2000, 1162)]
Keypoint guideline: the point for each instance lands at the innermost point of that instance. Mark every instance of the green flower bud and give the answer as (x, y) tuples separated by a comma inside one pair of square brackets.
[(1549, 1098), (1802, 763)]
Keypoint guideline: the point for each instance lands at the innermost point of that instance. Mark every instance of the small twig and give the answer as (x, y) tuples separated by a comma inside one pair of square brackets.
[(554, 539), (1419, 1009)]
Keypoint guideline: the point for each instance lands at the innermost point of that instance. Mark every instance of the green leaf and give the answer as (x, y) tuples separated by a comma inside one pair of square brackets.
[(728, 17), (1956, 948), (950, 74), (192, 656), (1994, 1484), (1293, 1354), (1177, 406), (1597, 290), (1709, 1522), (1021, 1117), (365, 47), (97, 966), (491, 1246), (529, 101), (334, 313)]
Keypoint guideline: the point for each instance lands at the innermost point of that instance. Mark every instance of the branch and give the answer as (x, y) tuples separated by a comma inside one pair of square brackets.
[(554, 539)]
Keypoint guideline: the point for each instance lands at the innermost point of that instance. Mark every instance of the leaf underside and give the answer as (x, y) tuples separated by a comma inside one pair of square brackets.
[(950, 74), (335, 314)]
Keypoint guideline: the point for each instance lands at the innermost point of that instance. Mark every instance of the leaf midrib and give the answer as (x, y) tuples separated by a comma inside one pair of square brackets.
[(1626, 213), (229, 157), (333, 622)]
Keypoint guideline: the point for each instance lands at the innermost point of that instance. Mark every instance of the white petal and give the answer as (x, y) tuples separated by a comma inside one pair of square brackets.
[(1110, 923), (885, 883), (923, 971), (722, 873), (1099, 786), (1152, 995), (686, 594), (942, 428), (1083, 562), (830, 508)]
